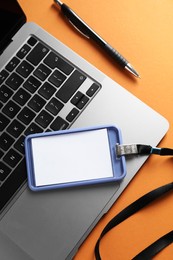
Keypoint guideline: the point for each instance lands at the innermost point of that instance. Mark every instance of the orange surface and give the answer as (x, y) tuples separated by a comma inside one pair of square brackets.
[(143, 32)]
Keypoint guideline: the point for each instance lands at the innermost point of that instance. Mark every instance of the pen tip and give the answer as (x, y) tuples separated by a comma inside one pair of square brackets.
[(132, 70)]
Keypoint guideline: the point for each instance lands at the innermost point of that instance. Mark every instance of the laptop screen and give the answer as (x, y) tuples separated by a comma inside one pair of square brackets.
[(11, 19)]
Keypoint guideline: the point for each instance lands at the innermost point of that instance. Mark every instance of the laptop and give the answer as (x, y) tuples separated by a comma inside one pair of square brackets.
[(45, 86)]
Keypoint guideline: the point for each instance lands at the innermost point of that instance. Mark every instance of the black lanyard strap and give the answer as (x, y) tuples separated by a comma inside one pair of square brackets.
[(156, 247), (132, 209)]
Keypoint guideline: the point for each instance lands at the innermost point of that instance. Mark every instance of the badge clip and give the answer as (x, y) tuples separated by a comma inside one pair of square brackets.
[(141, 149)]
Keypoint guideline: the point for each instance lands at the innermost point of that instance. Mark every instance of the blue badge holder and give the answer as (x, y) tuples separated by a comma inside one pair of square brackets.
[(44, 158)]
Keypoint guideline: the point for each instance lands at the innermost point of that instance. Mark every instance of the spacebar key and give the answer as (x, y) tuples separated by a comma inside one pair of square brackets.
[(70, 86)]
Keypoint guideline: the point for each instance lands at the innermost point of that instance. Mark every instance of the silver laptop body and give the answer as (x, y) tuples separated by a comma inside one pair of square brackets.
[(53, 224)]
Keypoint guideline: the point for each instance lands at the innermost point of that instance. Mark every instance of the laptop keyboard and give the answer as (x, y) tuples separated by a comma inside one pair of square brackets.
[(39, 91)]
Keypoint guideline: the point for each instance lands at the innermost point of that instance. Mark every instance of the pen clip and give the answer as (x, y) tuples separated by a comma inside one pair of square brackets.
[(75, 20), (78, 29)]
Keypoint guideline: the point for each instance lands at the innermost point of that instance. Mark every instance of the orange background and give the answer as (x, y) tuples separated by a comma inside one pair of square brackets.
[(143, 32)]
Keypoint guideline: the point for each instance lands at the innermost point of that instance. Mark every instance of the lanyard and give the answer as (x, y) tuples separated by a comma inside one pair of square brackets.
[(140, 203)]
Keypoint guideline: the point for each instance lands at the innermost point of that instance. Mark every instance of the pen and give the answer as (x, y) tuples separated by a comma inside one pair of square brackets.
[(83, 28)]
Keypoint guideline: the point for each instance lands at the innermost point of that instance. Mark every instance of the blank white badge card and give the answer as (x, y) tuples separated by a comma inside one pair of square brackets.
[(73, 157)]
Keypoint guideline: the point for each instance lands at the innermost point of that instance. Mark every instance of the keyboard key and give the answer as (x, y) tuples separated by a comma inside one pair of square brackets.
[(72, 115), (47, 90), (12, 158), (19, 145), (92, 90), (36, 103), (32, 41), (42, 72), (21, 97), (4, 121), (6, 141), (82, 102), (76, 98), (4, 171), (3, 75), (59, 124), (24, 69), (48, 130), (33, 129), (26, 115), (54, 106), (37, 54), (23, 51), (15, 128), (5, 93), (57, 78), (11, 109), (70, 86), (14, 81), (44, 119), (54, 61), (32, 84), (12, 64), (1, 154)]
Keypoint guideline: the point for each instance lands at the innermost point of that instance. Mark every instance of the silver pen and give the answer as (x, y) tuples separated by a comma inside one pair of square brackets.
[(83, 28)]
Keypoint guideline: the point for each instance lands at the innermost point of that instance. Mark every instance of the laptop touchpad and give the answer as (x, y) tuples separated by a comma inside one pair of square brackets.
[(53, 222)]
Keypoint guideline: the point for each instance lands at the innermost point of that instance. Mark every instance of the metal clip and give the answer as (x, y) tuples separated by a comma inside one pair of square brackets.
[(141, 149), (78, 29), (126, 149)]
